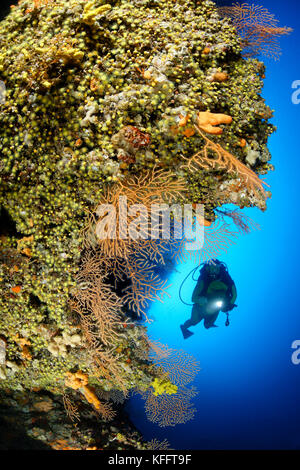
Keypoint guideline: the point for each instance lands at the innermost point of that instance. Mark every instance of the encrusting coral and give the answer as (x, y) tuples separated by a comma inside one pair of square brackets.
[(149, 99)]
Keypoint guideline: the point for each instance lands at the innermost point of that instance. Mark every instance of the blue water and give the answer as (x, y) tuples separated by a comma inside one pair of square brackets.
[(248, 386)]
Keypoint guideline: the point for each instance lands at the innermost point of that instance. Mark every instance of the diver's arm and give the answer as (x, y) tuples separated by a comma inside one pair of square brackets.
[(231, 301), (197, 292), (233, 294)]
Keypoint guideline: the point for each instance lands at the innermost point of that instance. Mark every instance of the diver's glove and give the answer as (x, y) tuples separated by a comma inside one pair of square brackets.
[(228, 308)]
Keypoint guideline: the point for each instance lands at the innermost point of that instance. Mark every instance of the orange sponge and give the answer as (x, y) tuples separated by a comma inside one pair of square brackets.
[(208, 121)]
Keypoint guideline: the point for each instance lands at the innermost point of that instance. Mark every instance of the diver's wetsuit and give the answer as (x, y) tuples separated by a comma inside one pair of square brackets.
[(204, 295), (198, 313)]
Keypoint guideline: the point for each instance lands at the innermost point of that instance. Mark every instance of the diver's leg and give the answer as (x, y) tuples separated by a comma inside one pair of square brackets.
[(188, 323), (210, 320), (196, 316)]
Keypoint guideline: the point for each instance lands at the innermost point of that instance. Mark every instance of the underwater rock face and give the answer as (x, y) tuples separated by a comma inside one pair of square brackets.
[(79, 72), (37, 421), (96, 92), (2, 359)]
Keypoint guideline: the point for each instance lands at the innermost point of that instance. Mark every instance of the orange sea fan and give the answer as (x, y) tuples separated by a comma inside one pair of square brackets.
[(97, 305), (257, 27), (169, 410), (225, 161), (217, 238), (152, 187), (71, 408), (145, 287), (123, 257), (101, 317), (155, 444), (180, 366), (243, 223)]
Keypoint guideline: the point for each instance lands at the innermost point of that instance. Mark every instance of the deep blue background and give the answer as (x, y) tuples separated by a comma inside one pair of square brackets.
[(248, 387)]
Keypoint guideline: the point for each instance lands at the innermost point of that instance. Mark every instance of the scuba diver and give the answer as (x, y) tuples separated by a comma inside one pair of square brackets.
[(215, 291)]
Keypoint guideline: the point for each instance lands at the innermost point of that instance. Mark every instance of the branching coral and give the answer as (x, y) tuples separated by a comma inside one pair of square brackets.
[(154, 444), (257, 27), (99, 309), (145, 286), (180, 366), (128, 257), (167, 405), (96, 302), (71, 408), (152, 187), (134, 258), (170, 410), (244, 223), (224, 160)]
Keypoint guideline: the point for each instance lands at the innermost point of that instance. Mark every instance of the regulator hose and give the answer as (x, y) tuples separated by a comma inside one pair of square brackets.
[(193, 271)]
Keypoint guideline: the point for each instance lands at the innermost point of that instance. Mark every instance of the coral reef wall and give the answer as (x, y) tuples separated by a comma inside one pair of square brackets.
[(98, 93)]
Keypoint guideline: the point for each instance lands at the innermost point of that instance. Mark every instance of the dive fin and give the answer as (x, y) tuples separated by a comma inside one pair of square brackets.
[(186, 333)]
